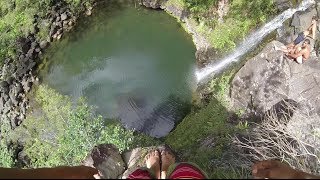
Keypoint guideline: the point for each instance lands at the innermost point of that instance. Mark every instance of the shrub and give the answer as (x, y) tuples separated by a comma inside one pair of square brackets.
[(63, 135), (282, 136), (224, 36), (6, 154)]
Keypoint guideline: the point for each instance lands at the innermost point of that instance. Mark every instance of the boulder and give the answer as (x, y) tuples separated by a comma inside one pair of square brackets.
[(13, 97), (134, 159), (4, 86), (155, 4), (43, 44), (5, 97), (58, 18), (269, 77), (302, 19), (34, 45), (283, 4), (107, 159), (2, 102), (30, 53), (64, 16), (179, 12)]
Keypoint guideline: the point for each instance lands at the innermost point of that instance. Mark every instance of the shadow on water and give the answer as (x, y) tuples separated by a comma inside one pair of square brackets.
[(136, 113)]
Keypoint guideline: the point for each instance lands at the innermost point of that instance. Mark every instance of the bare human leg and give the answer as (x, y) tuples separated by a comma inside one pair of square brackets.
[(153, 162), (167, 159)]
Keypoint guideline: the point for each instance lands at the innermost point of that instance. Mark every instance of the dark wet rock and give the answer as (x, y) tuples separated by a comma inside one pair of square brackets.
[(59, 31), (2, 102), (64, 16), (13, 97), (10, 80), (204, 56), (34, 45), (155, 4), (70, 23), (283, 4), (8, 104), (17, 73), (26, 84), (24, 44), (4, 84), (43, 44), (203, 46), (269, 77), (58, 18), (30, 53), (179, 12), (53, 30), (5, 97), (23, 158), (107, 159), (21, 57), (59, 24), (37, 50)]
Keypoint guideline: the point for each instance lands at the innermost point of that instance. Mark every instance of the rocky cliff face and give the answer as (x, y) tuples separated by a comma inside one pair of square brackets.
[(205, 51), (270, 77), (18, 75)]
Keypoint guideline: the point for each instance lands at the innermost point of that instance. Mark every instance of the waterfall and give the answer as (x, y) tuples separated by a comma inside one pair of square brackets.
[(251, 41)]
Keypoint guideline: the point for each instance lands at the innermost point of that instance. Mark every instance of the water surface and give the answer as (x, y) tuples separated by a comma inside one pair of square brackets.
[(133, 64)]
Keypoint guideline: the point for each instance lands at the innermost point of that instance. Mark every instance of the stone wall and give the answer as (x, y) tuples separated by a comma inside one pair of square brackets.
[(18, 75)]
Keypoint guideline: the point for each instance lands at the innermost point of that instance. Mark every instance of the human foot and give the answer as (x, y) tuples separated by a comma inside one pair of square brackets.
[(153, 162), (167, 159)]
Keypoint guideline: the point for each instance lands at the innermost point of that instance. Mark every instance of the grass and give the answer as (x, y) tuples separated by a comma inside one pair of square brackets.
[(203, 136), (6, 153), (225, 36), (17, 20)]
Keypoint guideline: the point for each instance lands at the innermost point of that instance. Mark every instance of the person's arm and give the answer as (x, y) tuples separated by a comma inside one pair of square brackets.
[(273, 169), (62, 172), (295, 55), (313, 28)]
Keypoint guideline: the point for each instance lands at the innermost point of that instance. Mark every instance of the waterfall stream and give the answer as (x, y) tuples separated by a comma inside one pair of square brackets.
[(250, 42)]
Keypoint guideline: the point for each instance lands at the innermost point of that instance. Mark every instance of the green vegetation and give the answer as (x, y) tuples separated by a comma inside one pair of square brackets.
[(221, 87), (209, 138), (60, 134), (17, 18), (6, 153), (224, 36)]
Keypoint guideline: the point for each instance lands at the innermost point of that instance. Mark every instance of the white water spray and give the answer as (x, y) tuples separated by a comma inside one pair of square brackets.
[(252, 41)]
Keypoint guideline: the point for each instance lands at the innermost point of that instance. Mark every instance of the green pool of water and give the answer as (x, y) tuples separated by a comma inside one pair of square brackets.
[(132, 63)]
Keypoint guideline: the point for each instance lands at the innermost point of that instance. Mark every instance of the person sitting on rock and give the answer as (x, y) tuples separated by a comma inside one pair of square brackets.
[(301, 53), (310, 32), (168, 169)]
